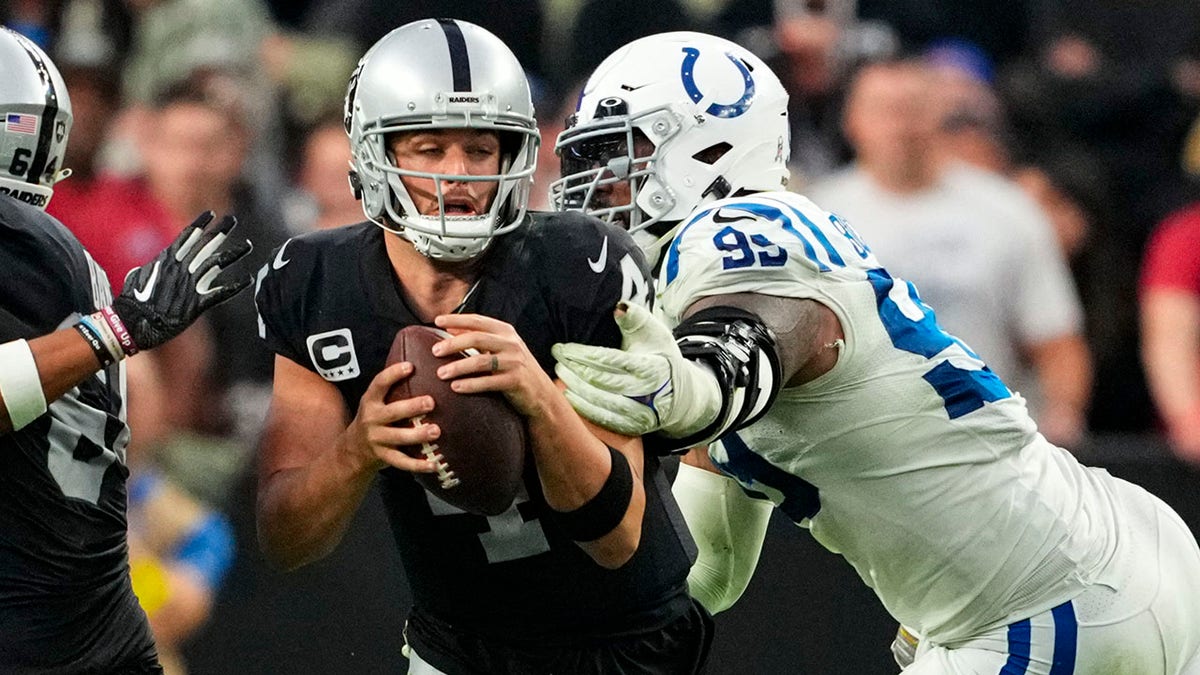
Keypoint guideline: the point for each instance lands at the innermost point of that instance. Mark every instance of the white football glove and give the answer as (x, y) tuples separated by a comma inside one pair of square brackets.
[(645, 386)]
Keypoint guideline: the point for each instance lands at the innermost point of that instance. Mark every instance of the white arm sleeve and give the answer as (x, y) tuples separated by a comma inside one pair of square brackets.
[(729, 528)]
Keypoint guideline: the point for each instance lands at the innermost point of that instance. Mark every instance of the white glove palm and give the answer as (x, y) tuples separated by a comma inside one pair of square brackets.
[(645, 386)]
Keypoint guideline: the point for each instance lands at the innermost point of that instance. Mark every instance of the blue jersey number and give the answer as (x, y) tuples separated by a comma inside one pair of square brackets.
[(748, 250)]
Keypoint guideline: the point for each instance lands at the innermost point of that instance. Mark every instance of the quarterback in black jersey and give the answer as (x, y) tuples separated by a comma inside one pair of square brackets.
[(66, 602), (586, 571)]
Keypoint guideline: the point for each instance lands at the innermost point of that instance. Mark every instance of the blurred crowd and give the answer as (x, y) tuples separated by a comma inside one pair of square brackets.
[(1031, 165)]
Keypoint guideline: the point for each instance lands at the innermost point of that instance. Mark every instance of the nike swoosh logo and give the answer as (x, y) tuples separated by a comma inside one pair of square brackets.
[(721, 220), (144, 294), (597, 265), (279, 261)]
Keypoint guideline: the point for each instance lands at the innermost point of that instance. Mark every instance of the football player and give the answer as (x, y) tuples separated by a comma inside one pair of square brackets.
[(586, 571), (66, 603), (807, 375)]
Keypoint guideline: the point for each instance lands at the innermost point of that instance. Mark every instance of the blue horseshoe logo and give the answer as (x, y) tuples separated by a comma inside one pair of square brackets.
[(717, 109)]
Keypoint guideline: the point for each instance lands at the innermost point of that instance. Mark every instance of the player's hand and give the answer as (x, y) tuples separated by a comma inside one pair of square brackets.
[(163, 297), (645, 386), (380, 428), (500, 361)]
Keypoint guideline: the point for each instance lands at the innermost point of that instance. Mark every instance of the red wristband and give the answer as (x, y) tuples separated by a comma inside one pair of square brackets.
[(118, 328)]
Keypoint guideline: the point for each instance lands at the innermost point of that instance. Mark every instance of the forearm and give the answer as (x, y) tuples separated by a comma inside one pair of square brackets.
[(728, 527), (304, 511), (574, 465), (1171, 356), (1171, 351), (63, 359)]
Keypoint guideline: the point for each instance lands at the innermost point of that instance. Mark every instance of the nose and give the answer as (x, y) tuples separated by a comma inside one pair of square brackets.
[(454, 163)]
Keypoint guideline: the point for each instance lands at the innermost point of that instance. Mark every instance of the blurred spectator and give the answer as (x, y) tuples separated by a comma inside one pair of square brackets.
[(1170, 319), (971, 125), (812, 45), (311, 70), (519, 23), (173, 38), (1110, 75), (35, 19), (177, 40), (1001, 28), (193, 150), (977, 248), (115, 218), (322, 197), (1074, 192)]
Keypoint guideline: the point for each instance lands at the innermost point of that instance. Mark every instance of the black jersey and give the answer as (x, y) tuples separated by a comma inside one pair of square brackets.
[(66, 603), (330, 302)]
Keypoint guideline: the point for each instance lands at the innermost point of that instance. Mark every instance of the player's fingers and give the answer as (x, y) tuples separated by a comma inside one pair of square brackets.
[(403, 434), (404, 409), (618, 417), (473, 322), (486, 363), (478, 341), (387, 377), (595, 384), (589, 359), (215, 296), (641, 329), (399, 460)]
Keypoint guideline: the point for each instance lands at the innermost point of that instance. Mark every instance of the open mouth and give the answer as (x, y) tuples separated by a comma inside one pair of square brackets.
[(459, 207)]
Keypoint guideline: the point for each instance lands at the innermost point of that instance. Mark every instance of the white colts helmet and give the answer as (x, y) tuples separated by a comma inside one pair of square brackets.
[(37, 120), (714, 113), (440, 74)]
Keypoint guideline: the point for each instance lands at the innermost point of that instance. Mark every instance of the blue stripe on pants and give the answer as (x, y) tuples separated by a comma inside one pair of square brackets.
[(1066, 638), (1018, 649)]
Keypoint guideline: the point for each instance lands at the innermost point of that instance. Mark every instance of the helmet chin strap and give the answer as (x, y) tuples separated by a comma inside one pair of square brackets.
[(652, 244)]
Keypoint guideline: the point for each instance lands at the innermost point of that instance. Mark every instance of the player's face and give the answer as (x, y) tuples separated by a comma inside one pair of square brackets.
[(456, 152), (610, 193)]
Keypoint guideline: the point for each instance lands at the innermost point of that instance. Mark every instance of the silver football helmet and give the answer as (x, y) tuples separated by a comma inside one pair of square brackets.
[(709, 117), (439, 74), (37, 120)]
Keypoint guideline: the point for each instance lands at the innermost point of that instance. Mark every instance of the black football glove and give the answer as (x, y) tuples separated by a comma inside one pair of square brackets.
[(163, 297)]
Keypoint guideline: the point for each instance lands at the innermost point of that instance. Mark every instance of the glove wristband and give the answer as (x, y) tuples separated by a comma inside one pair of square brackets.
[(20, 384), (104, 347), (119, 331)]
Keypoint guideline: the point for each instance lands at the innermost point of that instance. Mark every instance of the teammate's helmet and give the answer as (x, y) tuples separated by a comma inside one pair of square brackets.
[(439, 74), (714, 114), (37, 120)]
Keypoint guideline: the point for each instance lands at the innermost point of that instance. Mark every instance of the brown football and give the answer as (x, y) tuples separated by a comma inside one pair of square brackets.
[(481, 452)]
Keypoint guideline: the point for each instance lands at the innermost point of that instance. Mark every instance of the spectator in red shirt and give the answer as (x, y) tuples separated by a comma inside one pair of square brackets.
[(1170, 320), (115, 218)]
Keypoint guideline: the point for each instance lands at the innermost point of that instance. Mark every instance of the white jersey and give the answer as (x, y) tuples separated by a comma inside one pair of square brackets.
[(910, 458)]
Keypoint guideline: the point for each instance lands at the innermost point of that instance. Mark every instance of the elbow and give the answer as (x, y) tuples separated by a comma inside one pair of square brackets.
[(284, 556), (615, 549), (283, 548)]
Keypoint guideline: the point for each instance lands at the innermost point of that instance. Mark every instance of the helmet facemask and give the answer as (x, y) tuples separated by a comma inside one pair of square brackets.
[(599, 157), (443, 236)]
